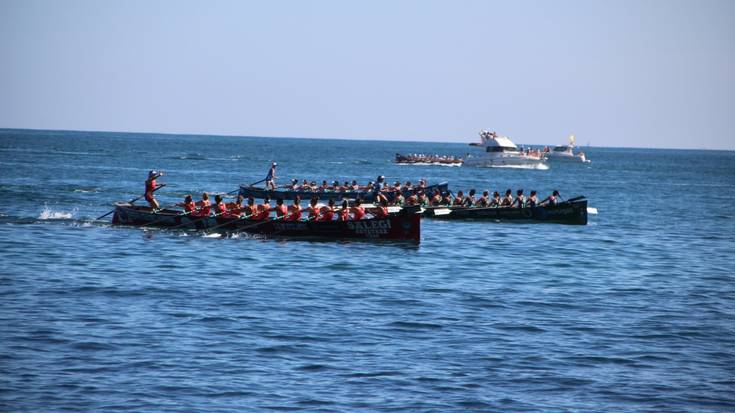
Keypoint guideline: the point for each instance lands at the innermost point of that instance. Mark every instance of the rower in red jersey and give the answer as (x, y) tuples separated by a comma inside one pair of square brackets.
[(281, 210), (219, 207), (382, 210), (250, 209), (150, 186), (234, 209), (188, 204), (295, 210), (344, 213), (264, 209), (357, 210), (204, 206), (313, 210), (326, 213)]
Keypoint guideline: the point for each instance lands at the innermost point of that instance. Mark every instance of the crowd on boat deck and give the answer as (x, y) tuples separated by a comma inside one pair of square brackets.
[(421, 158), (294, 212)]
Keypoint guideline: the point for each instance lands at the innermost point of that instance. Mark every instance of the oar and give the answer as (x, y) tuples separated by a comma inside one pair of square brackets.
[(228, 223), (197, 220), (263, 222), (238, 189), (133, 200), (159, 220)]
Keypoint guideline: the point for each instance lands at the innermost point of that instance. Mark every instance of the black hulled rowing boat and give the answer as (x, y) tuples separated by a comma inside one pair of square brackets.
[(572, 211), (367, 196), (404, 225)]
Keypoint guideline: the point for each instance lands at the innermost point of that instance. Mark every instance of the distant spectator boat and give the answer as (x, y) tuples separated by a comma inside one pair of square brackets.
[(500, 151), (566, 153)]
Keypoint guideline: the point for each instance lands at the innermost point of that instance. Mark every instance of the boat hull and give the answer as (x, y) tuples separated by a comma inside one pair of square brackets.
[(573, 213), (504, 161), (405, 225), (260, 193)]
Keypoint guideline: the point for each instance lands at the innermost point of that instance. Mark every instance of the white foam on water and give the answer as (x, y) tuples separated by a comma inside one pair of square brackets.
[(213, 235), (48, 213)]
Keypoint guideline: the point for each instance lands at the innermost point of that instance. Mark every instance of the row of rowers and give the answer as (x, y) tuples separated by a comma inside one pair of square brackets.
[(293, 212), (335, 186), (484, 201)]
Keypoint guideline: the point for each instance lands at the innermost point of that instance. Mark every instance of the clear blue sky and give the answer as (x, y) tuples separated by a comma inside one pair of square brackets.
[(615, 73)]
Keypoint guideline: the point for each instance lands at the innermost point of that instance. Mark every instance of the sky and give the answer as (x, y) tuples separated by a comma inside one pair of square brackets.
[(644, 73)]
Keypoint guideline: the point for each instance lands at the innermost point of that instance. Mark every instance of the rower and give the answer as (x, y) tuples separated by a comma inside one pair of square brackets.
[(507, 199), (354, 186), (270, 179), (520, 200), (357, 210), (399, 200), (344, 213), (219, 206), (281, 210), (412, 200), (234, 208), (382, 210), (150, 186), (423, 199), (532, 200), (495, 202), (436, 199), (552, 199), (264, 209), (204, 206), (324, 186), (313, 210), (469, 200), (326, 212), (459, 199), (295, 210), (188, 204), (250, 208), (484, 199), (447, 200)]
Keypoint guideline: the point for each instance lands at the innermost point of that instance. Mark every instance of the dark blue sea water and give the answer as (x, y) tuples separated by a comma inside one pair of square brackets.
[(633, 312)]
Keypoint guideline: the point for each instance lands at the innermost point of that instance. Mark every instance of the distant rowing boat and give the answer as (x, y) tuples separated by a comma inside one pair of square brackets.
[(404, 225), (368, 196), (573, 211), (427, 160)]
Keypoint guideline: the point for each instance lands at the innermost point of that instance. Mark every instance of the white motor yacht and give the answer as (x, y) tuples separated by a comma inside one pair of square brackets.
[(566, 152), (500, 151)]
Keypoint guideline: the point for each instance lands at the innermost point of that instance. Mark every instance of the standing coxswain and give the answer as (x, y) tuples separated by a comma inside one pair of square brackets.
[(270, 179), (151, 186)]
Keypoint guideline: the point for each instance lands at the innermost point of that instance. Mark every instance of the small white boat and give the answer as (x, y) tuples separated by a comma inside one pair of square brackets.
[(566, 153), (501, 152)]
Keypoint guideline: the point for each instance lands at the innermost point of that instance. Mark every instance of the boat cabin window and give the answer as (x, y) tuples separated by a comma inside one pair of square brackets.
[(561, 148), (499, 149)]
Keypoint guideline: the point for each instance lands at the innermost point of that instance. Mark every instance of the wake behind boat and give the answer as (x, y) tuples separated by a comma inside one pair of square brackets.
[(404, 225), (501, 152)]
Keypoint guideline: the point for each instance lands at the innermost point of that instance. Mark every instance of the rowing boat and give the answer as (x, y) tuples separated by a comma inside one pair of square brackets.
[(573, 211), (404, 225), (367, 196)]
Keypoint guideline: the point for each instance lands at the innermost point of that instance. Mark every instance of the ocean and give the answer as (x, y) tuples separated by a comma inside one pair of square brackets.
[(633, 312)]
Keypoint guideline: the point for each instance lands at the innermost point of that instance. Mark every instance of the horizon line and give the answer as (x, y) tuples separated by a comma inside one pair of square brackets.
[(336, 138)]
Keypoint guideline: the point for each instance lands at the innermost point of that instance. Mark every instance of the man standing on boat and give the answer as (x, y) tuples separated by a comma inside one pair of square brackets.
[(270, 179), (151, 186)]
